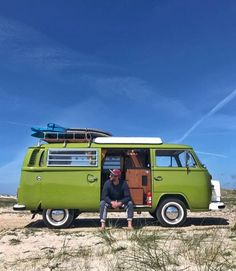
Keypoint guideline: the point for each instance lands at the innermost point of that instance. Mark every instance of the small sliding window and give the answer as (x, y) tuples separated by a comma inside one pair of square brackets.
[(72, 157)]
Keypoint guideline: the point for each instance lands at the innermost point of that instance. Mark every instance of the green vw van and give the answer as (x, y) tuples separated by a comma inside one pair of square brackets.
[(60, 180)]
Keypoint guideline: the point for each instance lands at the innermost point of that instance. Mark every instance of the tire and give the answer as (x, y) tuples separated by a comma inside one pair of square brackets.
[(171, 212), (58, 218)]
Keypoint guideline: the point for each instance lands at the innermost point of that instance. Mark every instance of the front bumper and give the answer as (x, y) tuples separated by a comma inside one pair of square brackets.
[(19, 207), (216, 205)]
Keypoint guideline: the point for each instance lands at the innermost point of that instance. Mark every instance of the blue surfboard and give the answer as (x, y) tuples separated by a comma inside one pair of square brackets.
[(51, 128), (56, 133)]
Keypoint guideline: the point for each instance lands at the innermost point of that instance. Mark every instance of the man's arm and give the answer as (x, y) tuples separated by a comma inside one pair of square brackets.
[(126, 194), (105, 193)]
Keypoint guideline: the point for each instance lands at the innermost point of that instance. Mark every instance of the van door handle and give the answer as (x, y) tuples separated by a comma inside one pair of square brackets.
[(91, 178), (158, 178)]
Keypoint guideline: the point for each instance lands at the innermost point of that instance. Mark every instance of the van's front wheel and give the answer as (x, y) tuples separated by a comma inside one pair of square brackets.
[(58, 218), (171, 213)]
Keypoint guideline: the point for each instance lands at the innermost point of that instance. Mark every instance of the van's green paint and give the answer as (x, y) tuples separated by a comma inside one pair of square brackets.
[(43, 187), (193, 184)]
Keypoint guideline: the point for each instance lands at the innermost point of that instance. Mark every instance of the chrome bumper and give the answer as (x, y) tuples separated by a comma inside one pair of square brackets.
[(19, 207), (217, 205)]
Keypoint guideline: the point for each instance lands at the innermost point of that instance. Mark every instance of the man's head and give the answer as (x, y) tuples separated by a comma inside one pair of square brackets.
[(115, 174)]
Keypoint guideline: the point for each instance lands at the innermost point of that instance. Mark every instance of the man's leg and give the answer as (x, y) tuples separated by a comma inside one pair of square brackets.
[(103, 213), (130, 213)]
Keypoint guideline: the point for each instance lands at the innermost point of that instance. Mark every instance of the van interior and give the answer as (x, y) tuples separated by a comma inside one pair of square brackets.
[(135, 167)]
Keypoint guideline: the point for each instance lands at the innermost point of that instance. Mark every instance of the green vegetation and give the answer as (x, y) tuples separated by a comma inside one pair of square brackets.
[(168, 250), (229, 197), (14, 241), (191, 248), (138, 250), (7, 201), (234, 227)]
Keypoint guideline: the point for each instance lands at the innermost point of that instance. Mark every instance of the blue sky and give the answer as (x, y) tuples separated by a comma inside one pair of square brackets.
[(134, 68)]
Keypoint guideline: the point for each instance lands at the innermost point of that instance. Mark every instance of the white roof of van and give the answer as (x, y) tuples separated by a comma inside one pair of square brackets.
[(128, 140)]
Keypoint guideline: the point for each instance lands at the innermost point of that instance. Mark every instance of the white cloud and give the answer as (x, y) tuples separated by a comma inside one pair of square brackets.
[(126, 87), (90, 112), (20, 43), (139, 91), (26, 46)]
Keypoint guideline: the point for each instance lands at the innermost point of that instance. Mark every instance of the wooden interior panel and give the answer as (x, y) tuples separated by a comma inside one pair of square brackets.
[(137, 195), (139, 182), (135, 178), (135, 161)]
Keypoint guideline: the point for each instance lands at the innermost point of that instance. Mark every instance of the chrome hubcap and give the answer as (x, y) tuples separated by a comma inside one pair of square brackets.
[(172, 212), (57, 215)]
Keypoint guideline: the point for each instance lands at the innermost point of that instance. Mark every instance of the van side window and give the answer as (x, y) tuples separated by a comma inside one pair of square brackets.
[(72, 157), (33, 157), (174, 158), (112, 162), (190, 162), (41, 160)]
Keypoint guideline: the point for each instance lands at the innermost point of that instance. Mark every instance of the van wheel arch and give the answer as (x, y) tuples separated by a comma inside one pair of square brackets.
[(58, 218), (176, 196)]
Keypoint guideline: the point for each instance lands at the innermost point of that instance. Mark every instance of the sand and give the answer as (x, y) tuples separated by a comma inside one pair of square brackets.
[(26, 244)]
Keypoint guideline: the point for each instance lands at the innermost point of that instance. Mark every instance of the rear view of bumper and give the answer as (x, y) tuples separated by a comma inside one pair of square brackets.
[(19, 207), (218, 205)]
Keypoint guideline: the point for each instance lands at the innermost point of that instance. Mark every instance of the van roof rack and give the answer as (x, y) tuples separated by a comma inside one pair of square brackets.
[(54, 133)]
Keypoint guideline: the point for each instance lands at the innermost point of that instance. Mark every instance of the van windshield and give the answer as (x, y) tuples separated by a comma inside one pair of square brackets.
[(199, 160), (174, 158)]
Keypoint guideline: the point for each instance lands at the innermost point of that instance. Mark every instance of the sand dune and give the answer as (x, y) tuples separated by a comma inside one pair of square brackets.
[(26, 244)]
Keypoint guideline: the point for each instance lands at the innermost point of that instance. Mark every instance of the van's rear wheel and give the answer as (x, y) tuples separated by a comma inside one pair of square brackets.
[(171, 212), (58, 218)]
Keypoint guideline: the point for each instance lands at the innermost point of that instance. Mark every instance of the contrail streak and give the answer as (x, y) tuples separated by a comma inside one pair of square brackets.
[(221, 104), (211, 154)]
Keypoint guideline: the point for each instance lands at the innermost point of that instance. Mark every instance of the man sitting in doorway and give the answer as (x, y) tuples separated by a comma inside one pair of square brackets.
[(116, 194)]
